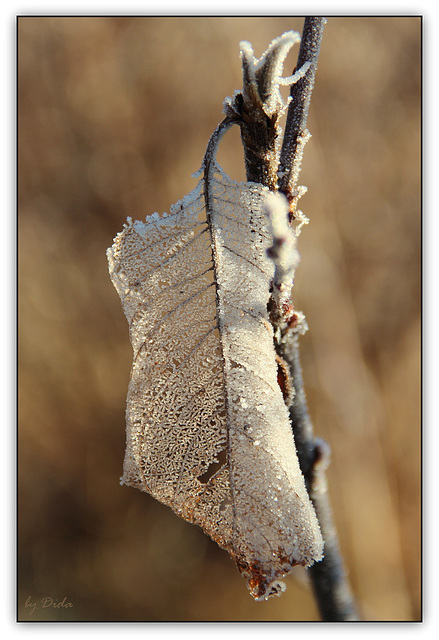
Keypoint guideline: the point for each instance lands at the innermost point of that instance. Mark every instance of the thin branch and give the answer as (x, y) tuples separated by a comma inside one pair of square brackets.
[(258, 113), (295, 134), (328, 577)]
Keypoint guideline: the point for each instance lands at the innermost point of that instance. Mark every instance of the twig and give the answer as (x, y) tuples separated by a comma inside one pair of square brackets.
[(295, 134), (258, 113), (328, 577), (259, 106)]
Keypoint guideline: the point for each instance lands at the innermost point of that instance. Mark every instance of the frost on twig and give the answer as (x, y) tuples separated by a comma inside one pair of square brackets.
[(262, 77), (296, 134), (285, 257), (258, 107)]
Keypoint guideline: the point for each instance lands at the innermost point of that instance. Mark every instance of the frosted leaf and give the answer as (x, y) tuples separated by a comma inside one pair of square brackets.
[(208, 432)]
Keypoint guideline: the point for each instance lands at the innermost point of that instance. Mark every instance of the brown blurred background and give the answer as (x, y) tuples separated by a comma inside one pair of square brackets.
[(114, 116)]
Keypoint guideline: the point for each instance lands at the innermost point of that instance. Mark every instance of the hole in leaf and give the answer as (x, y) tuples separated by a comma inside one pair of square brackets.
[(224, 504), (214, 467)]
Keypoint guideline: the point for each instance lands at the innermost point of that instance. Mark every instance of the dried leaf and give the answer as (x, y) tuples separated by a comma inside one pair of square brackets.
[(208, 432)]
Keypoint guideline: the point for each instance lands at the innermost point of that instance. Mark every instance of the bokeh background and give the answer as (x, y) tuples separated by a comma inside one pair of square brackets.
[(114, 115)]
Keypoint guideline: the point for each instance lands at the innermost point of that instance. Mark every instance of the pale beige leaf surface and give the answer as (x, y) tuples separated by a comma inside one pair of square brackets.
[(208, 432)]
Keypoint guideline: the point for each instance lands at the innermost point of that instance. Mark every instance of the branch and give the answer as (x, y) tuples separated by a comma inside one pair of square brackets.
[(328, 577), (295, 135), (258, 108)]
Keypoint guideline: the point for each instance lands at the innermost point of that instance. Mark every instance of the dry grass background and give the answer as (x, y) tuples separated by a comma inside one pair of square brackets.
[(114, 116)]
